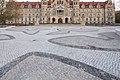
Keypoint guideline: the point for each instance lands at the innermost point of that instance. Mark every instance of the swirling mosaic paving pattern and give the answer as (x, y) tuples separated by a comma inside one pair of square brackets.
[(24, 66), (59, 53), (86, 42), (6, 37)]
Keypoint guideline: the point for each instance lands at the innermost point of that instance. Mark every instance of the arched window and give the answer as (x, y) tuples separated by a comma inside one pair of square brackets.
[(86, 19)]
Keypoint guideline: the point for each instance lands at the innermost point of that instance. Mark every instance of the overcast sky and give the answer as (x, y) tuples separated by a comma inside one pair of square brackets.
[(115, 1)]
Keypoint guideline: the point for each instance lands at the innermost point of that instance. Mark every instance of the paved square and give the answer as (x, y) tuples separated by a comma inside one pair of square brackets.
[(60, 52)]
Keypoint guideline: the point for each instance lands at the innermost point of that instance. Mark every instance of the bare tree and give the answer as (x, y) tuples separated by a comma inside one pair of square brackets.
[(2, 6), (8, 11), (2, 10)]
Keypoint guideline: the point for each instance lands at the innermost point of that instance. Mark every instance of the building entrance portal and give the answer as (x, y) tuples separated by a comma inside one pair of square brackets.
[(60, 20), (66, 20), (53, 20)]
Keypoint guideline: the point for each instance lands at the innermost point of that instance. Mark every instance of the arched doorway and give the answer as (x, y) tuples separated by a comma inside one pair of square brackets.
[(66, 20), (53, 20), (60, 20)]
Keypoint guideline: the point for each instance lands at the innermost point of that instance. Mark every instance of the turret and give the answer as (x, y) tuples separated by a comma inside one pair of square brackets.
[(76, 2), (44, 2), (110, 12), (76, 11), (44, 10)]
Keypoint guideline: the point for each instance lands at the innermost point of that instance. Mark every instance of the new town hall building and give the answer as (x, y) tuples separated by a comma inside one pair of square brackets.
[(65, 11)]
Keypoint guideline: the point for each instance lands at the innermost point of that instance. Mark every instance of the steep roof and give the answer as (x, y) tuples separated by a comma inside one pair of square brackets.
[(27, 3), (93, 3), (71, 3)]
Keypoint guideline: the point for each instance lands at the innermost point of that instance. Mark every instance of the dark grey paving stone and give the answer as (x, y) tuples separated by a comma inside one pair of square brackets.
[(3, 26), (6, 37), (59, 32), (111, 35), (28, 28), (31, 32), (41, 68), (85, 30)]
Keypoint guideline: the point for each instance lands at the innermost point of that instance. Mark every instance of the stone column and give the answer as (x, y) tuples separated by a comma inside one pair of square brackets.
[(56, 19), (63, 18), (50, 20)]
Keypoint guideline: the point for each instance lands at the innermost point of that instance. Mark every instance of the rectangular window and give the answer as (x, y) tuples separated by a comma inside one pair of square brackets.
[(25, 6), (33, 6), (86, 6)]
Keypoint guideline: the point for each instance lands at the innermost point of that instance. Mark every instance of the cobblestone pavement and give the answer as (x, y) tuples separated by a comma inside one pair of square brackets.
[(86, 42), (6, 37), (99, 64)]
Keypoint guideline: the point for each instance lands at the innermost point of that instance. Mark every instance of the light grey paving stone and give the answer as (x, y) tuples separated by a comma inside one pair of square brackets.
[(37, 68), (117, 31), (105, 60), (5, 70), (85, 30), (111, 35), (58, 32)]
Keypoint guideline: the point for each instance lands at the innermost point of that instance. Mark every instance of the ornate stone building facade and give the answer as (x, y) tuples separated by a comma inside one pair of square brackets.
[(66, 11)]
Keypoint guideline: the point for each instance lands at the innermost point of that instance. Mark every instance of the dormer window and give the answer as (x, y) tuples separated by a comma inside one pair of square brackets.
[(82, 6), (102, 6), (98, 6), (86, 6), (91, 6), (94, 6), (39, 6), (60, 2), (25, 6), (33, 6)]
